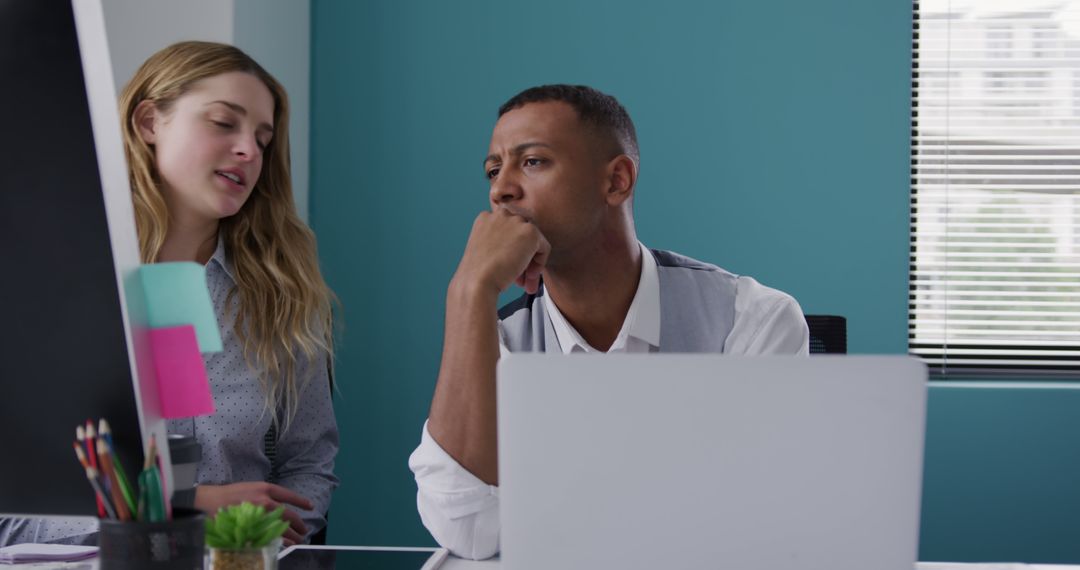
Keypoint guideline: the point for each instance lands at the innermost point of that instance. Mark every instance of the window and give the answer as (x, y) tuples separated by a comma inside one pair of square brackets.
[(995, 188), (999, 41), (1043, 41)]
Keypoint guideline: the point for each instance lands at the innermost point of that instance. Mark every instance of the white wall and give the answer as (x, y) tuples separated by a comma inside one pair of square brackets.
[(138, 28), (277, 33)]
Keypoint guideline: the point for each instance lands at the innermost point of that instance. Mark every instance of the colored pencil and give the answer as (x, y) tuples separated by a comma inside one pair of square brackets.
[(151, 453), (84, 436), (104, 432), (91, 450), (118, 467), (92, 476), (80, 454), (150, 482), (166, 503), (115, 493)]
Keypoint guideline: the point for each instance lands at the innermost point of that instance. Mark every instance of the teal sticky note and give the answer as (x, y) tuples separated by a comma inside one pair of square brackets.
[(176, 295)]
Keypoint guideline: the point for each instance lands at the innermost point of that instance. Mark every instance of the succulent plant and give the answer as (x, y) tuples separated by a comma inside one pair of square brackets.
[(244, 526)]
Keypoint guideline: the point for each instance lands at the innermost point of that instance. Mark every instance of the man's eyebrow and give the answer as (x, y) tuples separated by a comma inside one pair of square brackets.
[(517, 150), (241, 110)]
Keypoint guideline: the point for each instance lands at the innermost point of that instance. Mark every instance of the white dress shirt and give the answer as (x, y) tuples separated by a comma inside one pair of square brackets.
[(462, 512)]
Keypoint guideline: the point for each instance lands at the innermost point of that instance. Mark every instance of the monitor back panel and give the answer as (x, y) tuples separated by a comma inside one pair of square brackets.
[(65, 357)]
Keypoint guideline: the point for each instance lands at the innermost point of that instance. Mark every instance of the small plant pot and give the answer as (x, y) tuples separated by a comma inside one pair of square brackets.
[(264, 558)]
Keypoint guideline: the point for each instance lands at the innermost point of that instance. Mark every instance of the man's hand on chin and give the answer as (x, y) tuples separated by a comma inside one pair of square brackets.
[(503, 248)]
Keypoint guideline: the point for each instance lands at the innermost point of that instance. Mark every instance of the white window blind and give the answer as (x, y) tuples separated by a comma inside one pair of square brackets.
[(995, 200)]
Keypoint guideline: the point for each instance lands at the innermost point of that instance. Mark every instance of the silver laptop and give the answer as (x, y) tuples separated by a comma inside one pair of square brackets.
[(708, 461)]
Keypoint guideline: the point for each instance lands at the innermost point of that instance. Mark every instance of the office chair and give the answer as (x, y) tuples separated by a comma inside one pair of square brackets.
[(828, 334)]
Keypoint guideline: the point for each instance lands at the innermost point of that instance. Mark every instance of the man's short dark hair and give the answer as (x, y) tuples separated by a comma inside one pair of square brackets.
[(594, 108)]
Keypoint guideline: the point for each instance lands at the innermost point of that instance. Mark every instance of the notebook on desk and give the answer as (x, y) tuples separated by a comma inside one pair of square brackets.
[(42, 553), (708, 461)]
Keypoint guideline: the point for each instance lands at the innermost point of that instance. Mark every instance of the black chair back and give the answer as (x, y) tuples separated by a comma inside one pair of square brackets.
[(828, 334)]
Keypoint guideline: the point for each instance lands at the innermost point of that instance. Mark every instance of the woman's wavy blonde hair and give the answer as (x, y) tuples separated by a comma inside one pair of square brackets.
[(285, 306)]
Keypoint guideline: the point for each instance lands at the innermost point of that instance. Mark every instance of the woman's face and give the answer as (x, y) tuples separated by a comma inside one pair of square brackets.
[(209, 145)]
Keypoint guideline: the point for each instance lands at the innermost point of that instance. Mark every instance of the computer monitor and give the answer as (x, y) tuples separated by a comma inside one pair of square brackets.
[(70, 350)]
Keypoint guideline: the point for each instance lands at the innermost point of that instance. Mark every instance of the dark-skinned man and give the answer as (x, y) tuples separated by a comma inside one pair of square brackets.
[(562, 166)]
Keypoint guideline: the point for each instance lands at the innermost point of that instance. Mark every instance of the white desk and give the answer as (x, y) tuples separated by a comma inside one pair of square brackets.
[(956, 566), (459, 564)]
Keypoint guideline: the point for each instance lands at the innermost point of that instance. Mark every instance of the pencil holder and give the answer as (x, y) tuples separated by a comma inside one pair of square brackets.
[(168, 545)]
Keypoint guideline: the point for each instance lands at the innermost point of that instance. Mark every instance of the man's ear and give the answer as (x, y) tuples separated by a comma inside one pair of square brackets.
[(144, 120), (622, 175)]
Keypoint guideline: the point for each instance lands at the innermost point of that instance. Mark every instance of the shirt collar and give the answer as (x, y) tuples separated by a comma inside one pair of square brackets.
[(642, 319), (221, 258)]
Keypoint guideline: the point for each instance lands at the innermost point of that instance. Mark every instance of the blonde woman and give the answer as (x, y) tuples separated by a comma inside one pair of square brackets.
[(207, 142), (206, 137)]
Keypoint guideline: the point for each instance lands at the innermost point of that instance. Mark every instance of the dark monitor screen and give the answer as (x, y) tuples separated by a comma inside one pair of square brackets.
[(65, 357)]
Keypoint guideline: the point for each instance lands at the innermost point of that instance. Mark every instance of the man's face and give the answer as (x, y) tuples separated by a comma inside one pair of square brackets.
[(544, 165)]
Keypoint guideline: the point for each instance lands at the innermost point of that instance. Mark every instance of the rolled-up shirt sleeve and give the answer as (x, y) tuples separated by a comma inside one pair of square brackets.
[(459, 510)]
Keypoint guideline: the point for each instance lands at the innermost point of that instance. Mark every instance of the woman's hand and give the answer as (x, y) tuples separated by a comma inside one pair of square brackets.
[(210, 498)]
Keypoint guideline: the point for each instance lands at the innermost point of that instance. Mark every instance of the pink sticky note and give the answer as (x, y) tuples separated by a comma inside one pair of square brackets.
[(183, 387)]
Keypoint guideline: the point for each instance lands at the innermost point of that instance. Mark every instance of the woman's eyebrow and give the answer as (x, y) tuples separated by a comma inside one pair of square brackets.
[(241, 110)]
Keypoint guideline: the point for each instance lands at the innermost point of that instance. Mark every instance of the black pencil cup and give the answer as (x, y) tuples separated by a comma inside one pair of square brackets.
[(166, 545)]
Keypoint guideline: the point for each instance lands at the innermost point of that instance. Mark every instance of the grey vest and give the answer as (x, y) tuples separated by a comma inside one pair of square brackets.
[(697, 310)]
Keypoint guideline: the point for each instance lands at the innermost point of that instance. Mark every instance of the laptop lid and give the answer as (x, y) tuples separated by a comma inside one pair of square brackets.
[(684, 461)]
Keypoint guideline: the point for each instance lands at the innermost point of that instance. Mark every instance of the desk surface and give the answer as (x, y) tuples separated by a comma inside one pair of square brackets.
[(460, 564), (453, 563)]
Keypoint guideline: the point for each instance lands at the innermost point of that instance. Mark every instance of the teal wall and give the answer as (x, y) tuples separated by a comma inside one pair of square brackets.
[(774, 142), (1002, 475)]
